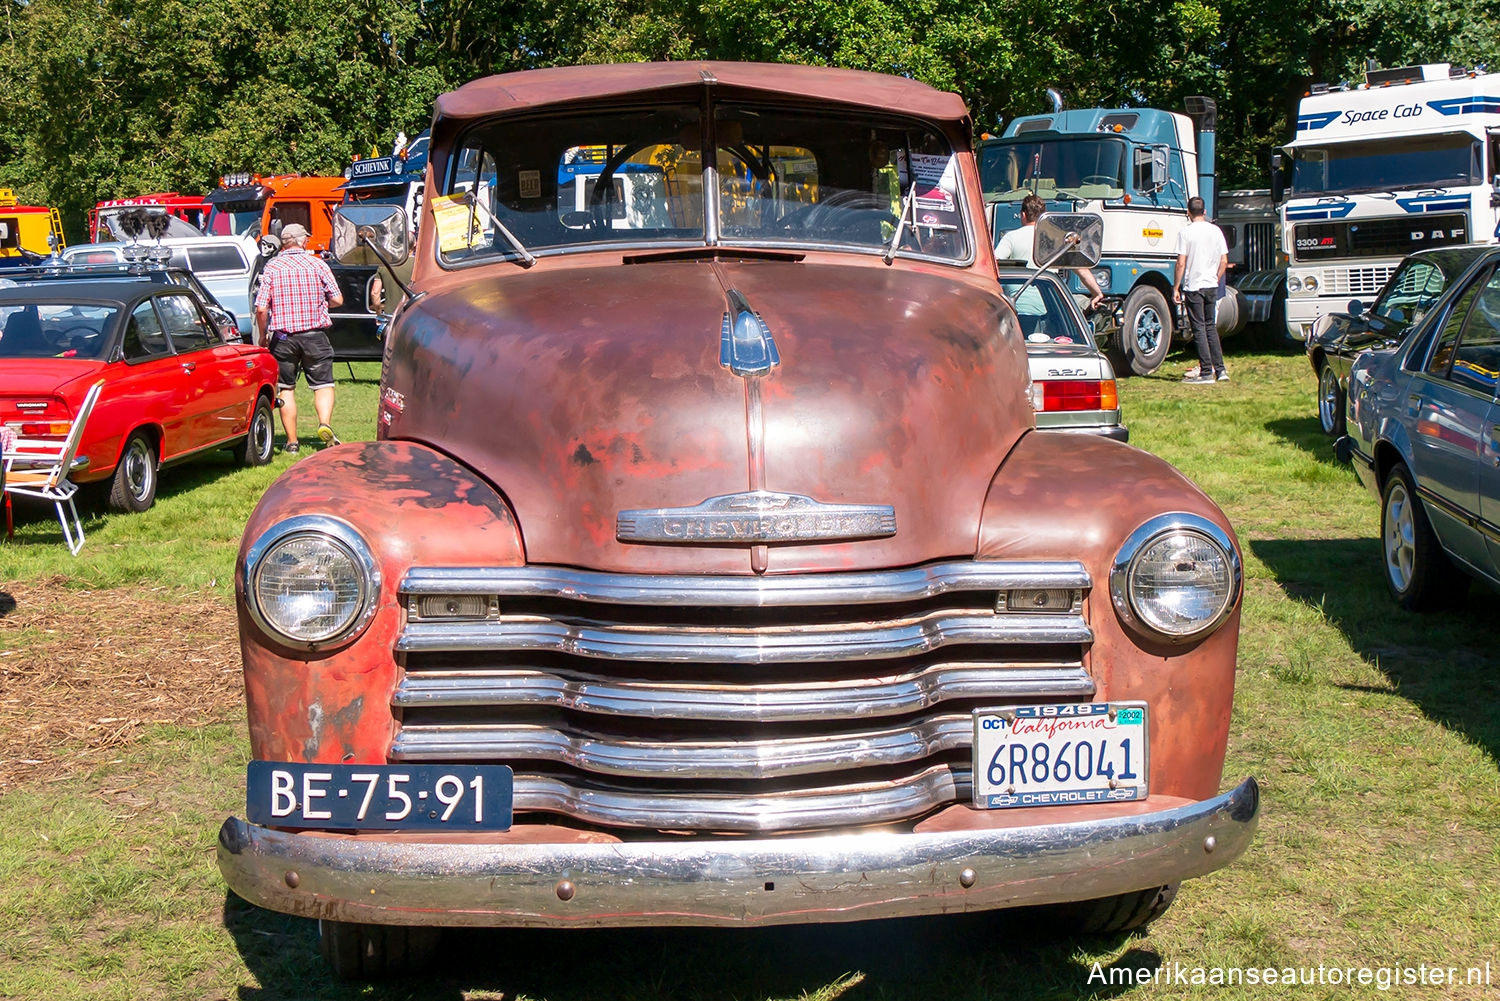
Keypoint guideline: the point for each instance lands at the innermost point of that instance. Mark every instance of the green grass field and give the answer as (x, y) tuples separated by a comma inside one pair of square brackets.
[(1373, 731)]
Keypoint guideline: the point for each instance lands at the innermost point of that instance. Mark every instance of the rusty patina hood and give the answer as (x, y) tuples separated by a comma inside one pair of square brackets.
[(580, 392)]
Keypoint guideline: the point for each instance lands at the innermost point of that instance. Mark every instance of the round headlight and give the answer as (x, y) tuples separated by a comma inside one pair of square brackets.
[(1177, 576), (1293, 283), (1309, 284), (1103, 277), (311, 580)]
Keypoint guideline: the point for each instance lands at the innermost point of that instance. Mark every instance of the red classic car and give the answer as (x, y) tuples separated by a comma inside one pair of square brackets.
[(174, 387), (709, 568)]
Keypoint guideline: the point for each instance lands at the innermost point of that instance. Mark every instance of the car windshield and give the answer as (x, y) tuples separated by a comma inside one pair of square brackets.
[(55, 330), (112, 227), (1068, 168), (776, 177), (1044, 314), (1411, 292), (1386, 165)]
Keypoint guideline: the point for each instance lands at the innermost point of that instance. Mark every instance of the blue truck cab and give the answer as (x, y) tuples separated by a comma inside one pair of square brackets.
[(1136, 168)]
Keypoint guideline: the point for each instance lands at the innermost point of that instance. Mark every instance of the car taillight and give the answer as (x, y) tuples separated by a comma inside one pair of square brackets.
[(39, 429), (1076, 394)]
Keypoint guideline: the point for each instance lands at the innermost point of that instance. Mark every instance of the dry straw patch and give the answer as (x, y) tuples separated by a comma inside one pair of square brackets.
[(86, 673)]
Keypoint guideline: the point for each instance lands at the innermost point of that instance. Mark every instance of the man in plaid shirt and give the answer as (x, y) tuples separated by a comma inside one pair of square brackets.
[(296, 291)]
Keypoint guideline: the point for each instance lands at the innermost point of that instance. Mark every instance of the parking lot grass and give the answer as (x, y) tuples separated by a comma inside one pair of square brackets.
[(1373, 732)]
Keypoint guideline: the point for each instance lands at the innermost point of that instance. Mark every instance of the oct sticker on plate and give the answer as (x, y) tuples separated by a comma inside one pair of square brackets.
[(1056, 755)]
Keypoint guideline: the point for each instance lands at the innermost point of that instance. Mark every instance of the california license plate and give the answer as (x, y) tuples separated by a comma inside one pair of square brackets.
[(379, 797), (1059, 754)]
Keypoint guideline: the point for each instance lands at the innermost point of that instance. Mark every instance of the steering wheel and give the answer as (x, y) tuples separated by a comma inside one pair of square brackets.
[(73, 338)]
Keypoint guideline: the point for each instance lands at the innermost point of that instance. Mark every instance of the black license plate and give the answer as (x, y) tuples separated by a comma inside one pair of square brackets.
[(379, 797)]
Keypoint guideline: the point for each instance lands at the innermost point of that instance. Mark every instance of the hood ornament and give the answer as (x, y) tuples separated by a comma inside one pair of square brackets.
[(756, 517), (746, 346)]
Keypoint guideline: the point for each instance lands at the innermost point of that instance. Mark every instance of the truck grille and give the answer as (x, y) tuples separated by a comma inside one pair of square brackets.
[(1355, 281), (731, 703)]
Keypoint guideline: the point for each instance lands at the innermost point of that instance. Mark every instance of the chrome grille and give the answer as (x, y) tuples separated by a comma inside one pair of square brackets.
[(730, 703), (1355, 281)]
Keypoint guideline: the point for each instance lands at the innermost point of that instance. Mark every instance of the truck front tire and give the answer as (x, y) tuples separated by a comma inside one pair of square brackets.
[(1146, 330)]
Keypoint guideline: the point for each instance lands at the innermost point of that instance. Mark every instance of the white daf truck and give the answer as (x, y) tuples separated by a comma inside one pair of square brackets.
[(1407, 160)]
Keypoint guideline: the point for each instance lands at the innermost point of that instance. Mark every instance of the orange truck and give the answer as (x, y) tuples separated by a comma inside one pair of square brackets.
[(25, 228), (250, 203)]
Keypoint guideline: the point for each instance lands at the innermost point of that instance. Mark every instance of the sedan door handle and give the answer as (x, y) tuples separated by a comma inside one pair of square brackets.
[(189, 366), (1413, 404), (1495, 444)]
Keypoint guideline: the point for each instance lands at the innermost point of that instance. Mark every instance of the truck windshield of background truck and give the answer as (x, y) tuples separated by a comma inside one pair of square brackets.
[(826, 178), (1064, 168), (1390, 164)]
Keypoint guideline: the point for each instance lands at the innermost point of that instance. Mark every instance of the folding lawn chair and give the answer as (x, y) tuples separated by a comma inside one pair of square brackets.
[(43, 472)]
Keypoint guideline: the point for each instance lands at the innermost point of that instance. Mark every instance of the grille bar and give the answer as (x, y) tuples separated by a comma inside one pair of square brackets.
[(886, 586), (803, 809), (745, 702), (653, 759), (603, 640)]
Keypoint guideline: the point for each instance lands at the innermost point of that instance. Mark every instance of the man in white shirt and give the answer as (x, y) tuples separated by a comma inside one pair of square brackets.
[(1202, 259), (1016, 245)]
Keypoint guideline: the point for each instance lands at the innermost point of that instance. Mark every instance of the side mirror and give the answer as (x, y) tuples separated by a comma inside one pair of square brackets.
[(1159, 175), (1278, 178), (370, 235), (1068, 240), (1396, 315), (1356, 307)]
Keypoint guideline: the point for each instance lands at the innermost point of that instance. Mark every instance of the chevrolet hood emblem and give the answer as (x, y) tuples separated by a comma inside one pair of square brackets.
[(756, 517)]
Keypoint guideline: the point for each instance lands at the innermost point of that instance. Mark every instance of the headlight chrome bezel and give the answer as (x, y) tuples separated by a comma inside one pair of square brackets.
[(343, 537), (1140, 541)]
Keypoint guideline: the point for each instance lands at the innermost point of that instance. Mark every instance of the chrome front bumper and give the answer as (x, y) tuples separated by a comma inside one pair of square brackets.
[(761, 881)]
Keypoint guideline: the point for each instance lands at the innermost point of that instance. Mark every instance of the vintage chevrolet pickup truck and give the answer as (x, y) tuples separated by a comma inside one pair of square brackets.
[(708, 568)]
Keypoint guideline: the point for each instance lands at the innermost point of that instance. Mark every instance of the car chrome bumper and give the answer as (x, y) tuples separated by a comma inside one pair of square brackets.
[(791, 880)]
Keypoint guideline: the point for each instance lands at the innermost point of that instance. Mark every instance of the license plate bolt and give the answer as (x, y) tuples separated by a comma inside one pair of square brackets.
[(966, 878)]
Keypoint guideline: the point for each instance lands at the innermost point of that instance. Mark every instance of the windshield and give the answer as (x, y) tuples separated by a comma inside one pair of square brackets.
[(232, 223), (55, 330), (1386, 165), (777, 177), (111, 228), (383, 194), (1044, 313), (1069, 168)]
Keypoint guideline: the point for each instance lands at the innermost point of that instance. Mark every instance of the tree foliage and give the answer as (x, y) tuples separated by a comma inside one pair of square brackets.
[(107, 98)]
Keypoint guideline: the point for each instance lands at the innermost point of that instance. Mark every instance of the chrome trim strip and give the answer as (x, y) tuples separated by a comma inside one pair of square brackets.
[(1086, 853), (799, 810), (343, 534), (732, 591), (782, 644), (741, 703), (775, 757)]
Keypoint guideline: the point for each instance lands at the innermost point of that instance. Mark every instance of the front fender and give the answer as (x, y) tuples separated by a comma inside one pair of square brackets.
[(403, 499), (1080, 498)]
